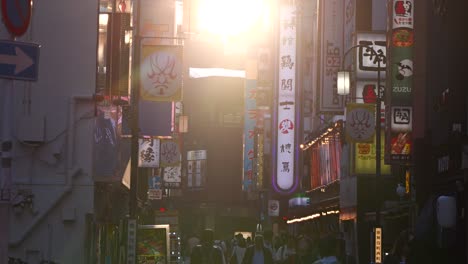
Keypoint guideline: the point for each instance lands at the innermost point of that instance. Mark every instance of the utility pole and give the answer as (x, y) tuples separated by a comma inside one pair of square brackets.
[(135, 132)]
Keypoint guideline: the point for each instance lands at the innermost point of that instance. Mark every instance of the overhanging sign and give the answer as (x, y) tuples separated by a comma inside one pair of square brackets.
[(19, 60)]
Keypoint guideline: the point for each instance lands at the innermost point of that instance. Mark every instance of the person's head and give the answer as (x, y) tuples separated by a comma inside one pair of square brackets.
[(258, 241), (207, 236), (241, 242)]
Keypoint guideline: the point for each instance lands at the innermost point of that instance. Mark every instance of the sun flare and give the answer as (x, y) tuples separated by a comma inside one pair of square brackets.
[(232, 17)]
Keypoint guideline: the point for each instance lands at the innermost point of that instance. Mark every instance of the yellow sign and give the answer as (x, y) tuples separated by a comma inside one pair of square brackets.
[(378, 245), (364, 158)]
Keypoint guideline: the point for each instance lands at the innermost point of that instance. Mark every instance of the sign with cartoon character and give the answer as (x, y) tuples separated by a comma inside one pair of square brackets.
[(161, 73), (403, 14), (400, 136), (402, 76), (400, 82)]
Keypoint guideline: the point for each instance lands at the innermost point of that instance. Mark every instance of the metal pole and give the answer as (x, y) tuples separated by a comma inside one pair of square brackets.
[(377, 143), (135, 96)]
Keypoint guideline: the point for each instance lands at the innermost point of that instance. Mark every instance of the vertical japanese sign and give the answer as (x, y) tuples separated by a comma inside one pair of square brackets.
[(148, 152), (331, 53), (400, 81), (250, 117), (378, 245), (284, 180), (196, 168)]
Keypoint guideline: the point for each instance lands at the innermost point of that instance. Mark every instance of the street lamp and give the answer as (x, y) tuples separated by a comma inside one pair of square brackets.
[(343, 88)]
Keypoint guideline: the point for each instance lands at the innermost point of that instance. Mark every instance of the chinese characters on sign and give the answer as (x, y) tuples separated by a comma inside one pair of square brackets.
[(284, 180), (172, 177), (196, 168), (332, 51), (378, 245), (250, 118), (148, 152), (367, 63)]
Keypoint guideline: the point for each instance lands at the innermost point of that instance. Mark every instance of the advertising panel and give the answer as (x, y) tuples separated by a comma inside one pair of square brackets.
[(161, 73), (153, 244), (170, 153), (331, 53), (250, 117), (284, 180), (400, 97), (273, 207), (364, 158), (196, 168), (367, 60), (402, 14), (148, 152), (360, 122)]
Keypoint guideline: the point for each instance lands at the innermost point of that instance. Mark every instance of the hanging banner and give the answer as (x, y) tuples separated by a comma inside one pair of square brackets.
[(161, 73), (107, 143), (170, 153), (360, 122), (148, 152)]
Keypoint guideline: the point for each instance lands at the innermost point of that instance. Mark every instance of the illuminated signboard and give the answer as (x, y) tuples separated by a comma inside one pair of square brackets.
[(378, 245), (284, 181)]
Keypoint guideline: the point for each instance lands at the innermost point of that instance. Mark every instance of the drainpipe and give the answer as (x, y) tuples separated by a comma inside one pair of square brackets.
[(5, 169), (70, 171)]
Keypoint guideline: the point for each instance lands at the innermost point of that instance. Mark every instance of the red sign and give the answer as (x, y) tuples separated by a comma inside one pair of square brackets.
[(16, 15)]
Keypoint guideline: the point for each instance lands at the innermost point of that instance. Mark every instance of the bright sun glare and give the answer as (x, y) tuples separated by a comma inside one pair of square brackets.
[(232, 17)]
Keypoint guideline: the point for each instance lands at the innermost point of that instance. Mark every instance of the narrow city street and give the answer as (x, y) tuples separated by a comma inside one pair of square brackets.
[(233, 132)]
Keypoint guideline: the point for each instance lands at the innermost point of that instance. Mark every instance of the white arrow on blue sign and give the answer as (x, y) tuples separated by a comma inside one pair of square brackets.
[(19, 60)]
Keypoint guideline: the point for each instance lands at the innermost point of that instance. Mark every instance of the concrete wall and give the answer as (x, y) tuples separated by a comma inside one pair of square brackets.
[(57, 167)]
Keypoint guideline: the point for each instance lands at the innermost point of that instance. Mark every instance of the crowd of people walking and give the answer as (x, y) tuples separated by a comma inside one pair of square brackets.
[(263, 248)]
